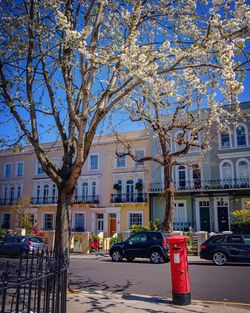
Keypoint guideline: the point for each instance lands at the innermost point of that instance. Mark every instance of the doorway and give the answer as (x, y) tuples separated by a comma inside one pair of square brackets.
[(112, 224), (204, 216), (223, 219)]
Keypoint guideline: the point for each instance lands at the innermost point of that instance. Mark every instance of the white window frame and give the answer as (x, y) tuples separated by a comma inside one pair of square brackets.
[(141, 164), (176, 145), (246, 135), (177, 176), (237, 167), (19, 162), (38, 165), (73, 219), (185, 211), (89, 162), (5, 166), (230, 140), (43, 221), (116, 160), (221, 169), (134, 212)]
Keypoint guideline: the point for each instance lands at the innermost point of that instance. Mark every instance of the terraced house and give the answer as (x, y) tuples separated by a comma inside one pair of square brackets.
[(114, 192), (210, 185), (109, 197)]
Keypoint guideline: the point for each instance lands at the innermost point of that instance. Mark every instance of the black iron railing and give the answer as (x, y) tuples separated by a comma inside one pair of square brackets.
[(53, 200), (204, 185), (9, 201), (128, 197), (35, 284)]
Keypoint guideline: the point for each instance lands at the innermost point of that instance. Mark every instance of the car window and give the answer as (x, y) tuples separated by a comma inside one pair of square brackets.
[(36, 239), (10, 240), (247, 239), (138, 237), (156, 236), (234, 239), (20, 239), (219, 239)]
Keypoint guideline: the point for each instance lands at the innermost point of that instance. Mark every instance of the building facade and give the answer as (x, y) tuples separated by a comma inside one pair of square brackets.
[(208, 185), (110, 194)]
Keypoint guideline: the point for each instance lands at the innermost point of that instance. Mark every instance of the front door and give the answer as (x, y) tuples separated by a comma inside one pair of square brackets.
[(204, 218), (112, 224), (223, 218)]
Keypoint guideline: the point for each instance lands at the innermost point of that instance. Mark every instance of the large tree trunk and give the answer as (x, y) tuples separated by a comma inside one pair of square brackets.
[(167, 224), (63, 227)]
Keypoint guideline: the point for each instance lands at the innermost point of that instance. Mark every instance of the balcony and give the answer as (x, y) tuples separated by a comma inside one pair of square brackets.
[(128, 198), (9, 201), (77, 200), (204, 185)]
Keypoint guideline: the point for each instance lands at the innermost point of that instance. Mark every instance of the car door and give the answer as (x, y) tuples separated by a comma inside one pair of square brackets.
[(136, 245), (236, 247), (10, 246), (246, 239)]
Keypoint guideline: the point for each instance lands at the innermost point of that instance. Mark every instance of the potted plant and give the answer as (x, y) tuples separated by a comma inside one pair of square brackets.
[(139, 185), (117, 186)]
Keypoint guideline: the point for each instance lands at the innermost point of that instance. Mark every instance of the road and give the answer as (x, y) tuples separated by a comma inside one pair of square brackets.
[(208, 282)]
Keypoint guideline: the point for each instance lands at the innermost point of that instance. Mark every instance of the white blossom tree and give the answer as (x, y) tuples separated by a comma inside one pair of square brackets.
[(66, 64)]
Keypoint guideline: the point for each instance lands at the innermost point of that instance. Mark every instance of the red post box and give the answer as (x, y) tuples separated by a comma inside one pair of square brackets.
[(179, 270)]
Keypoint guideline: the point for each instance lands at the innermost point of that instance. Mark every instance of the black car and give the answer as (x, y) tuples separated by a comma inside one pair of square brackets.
[(226, 248), (145, 244), (21, 245)]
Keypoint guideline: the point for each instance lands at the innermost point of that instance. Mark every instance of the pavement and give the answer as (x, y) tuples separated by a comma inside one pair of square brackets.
[(108, 302)]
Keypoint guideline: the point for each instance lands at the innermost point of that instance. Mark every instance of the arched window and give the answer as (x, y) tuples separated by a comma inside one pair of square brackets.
[(45, 193), (182, 176), (130, 190), (196, 176), (53, 193), (12, 194), (241, 135), (76, 192), (85, 191), (38, 189), (94, 190), (226, 172), (225, 140), (243, 171)]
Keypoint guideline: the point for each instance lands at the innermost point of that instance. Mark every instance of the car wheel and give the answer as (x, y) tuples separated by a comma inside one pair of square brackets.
[(219, 258), (24, 254), (116, 256), (130, 259), (155, 257)]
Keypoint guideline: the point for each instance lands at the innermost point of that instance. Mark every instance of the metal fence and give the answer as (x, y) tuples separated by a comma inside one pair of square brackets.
[(35, 284)]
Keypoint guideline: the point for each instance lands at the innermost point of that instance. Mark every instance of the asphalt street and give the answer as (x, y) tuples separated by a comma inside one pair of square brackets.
[(208, 282)]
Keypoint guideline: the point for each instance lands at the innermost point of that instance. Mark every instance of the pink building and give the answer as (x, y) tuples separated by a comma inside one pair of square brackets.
[(110, 194)]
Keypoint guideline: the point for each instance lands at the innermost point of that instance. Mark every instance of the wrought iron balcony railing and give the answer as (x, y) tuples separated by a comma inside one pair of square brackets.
[(128, 197), (216, 184), (53, 200), (9, 201)]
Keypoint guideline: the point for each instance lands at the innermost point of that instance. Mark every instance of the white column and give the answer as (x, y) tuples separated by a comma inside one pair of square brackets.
[(118, 221), (105, 222), (93, 222)]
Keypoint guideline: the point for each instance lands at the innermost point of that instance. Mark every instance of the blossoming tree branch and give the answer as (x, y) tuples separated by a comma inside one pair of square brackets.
[(66, 64)]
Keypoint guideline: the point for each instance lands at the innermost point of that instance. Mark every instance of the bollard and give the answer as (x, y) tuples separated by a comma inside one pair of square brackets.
[(179, 270)]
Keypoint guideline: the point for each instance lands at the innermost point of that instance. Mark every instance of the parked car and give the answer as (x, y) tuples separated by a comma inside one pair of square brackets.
[(226, 248), (145, 244), (21, 245)]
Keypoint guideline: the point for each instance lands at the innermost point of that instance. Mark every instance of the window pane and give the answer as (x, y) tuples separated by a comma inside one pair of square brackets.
[(94, 162), (225, 140), (20, 169), (135, 219), (121, 161), (139, 154), (48, 221), (7, 170), (241, 136)]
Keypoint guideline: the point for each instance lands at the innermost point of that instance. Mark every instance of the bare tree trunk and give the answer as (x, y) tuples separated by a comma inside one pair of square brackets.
[(63, 229), (169, 197)]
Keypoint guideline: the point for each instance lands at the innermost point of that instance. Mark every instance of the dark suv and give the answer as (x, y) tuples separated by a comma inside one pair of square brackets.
[(21, 245), (145, 244), (226, 248)]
